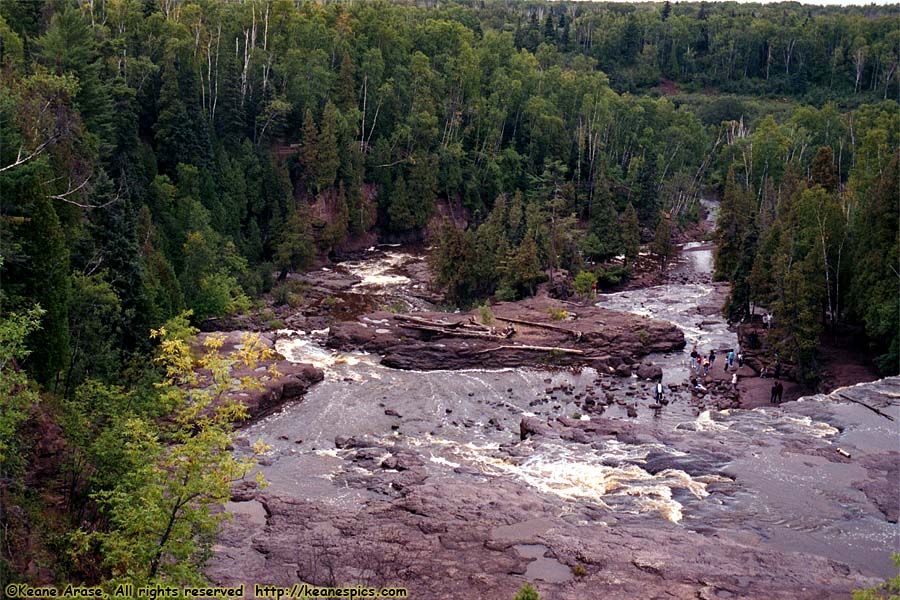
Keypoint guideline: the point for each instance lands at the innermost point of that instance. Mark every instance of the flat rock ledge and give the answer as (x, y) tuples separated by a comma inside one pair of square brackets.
[(533, 332)]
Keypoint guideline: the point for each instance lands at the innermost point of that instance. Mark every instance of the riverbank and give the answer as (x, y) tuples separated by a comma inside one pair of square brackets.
[(472, 480)]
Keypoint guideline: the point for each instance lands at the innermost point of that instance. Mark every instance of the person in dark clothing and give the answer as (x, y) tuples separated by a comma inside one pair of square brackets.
[(740, 359), (779, 391), (777, 370), (774, 393)]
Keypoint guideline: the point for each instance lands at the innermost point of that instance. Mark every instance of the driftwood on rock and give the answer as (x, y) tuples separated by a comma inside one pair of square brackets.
[(429, 322), (573, 332), (534, 348), (459, 329)]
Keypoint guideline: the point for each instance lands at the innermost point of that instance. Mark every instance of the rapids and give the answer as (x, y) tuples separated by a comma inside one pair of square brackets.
[(769, 476)]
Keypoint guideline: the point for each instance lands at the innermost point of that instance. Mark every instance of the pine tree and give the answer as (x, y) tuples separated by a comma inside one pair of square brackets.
[(875, 289), (734, 212), (296, 249), (173, 128), (422, 184), (401, 210), (328, 160), (309, 149), (346, 89), (603, 240), (630, 233), (49, 282), (662, 240), (666, 10)]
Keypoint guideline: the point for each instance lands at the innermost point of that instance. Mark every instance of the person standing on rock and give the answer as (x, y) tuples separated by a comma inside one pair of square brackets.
[(774, 393), (777, 373), (706, 366), (730, 359), (779, 391), (740, 359), (734, 381), (659, 392), (712, 358)]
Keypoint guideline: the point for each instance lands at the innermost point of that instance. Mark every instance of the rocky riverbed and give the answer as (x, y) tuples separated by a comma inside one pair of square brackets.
[(465, 479)]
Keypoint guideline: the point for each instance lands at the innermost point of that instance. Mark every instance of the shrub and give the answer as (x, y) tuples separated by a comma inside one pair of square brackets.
[(579, 570), (526, 592), (889, 590), (557, 314), (487, 315), (612, 275), (584, 283), (506, 294), (644, 336), (289, 292)]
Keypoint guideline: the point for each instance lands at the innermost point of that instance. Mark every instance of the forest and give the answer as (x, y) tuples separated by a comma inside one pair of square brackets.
[(165, 163)]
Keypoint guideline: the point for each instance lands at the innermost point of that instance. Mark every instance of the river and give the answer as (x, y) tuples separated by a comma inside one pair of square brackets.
[(770, 479)]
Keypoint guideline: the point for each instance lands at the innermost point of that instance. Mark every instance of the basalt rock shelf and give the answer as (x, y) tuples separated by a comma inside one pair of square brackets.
[(521, 334)]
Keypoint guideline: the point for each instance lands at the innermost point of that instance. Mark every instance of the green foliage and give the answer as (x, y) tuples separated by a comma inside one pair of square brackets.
[(295, 250), (557, 314), (526, 592), (16, 392), (612, 275), (49, 281), (889, 590), (662, 240), (584, 283), (486, 314), (161, 508), (289, 292)]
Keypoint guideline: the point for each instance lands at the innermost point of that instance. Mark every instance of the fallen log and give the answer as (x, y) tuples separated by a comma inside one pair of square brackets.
[(578, 335), (421, 321), (458, 332), (872, 408), (534, 348)]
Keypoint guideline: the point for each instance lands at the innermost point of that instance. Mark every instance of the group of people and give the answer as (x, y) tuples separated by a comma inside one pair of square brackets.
[(701, 365)]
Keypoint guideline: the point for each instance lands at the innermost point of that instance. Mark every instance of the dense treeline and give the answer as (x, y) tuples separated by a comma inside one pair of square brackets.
[(161, 156), (811, 52)]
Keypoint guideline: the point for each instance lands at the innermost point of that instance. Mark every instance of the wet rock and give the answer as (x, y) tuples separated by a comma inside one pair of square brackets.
[(649, 371), (446, 344), (623, 370), (346, 443), (392, 413), (530, 426)]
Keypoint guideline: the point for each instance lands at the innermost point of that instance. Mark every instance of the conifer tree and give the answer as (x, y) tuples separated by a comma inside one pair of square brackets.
[(630, 233), (309, 149), (49, 281), (327, 157)]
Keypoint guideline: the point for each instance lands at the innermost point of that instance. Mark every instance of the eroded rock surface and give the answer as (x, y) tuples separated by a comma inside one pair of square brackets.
[(600, 338)]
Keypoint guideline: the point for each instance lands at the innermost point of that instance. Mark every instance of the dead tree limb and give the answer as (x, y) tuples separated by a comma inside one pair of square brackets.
[(578, 335), (535, 349)]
